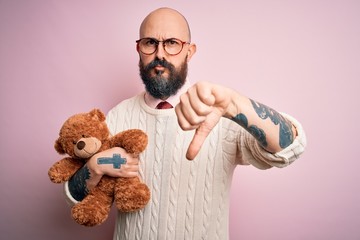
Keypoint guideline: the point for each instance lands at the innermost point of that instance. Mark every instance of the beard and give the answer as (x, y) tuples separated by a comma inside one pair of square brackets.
[(159, 86)]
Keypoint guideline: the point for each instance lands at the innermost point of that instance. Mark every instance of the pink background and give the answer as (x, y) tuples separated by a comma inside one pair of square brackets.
[(58, 58)]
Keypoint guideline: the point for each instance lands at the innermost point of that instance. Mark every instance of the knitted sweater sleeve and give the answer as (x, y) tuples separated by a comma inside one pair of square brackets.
[(252, 153), (68, 197)]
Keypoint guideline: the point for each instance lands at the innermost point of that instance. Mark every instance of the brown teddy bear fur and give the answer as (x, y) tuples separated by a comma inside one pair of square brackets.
[(80, 137)]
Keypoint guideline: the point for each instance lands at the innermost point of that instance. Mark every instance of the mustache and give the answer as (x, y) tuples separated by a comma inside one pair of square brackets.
[(158, 62)]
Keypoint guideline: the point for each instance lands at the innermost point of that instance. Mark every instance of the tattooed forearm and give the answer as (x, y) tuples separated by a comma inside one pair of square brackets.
[(286, 135), (241, 120), (77, 184), (258, 133)]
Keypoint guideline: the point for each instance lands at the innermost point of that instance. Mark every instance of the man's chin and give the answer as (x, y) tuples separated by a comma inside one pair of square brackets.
[(160, 73)]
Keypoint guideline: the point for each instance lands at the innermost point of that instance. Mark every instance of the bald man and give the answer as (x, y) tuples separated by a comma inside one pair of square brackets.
[(215, 127)]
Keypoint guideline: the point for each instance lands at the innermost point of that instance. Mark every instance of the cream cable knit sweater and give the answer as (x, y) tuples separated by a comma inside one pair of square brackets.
[(189, 199)]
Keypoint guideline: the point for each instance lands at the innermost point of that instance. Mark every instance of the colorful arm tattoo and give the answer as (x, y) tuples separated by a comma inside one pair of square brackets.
[(77, 183)]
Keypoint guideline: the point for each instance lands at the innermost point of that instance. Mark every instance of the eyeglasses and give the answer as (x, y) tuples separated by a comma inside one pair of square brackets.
[(172, 46)]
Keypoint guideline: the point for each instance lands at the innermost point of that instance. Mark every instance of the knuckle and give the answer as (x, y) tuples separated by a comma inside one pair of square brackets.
[(203, 110), (184, 125), (187, 126), (183, 98), (194, 121)]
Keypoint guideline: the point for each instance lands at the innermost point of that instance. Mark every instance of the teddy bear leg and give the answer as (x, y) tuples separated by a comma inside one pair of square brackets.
[(95, 207), (130, 194)]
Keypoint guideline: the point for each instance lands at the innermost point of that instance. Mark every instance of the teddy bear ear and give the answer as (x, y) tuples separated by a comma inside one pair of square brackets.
[(58, 147), (97, 114)]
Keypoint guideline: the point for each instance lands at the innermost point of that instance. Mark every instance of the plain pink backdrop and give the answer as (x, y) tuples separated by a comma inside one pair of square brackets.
[(58, 58)]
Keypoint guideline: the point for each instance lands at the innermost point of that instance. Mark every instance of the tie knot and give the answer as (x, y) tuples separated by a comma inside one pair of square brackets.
[(164, 105)]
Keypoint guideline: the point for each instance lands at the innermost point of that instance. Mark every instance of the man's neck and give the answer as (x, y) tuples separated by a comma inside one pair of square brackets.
[(173, 100)]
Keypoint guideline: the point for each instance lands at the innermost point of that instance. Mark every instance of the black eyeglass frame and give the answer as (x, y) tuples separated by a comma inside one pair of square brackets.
[(157, 42)]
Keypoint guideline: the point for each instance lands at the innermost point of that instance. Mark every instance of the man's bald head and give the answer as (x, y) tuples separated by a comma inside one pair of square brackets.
[(163, 74), (164, 23)]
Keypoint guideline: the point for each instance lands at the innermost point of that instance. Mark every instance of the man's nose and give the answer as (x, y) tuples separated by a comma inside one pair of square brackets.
[(160, 51)]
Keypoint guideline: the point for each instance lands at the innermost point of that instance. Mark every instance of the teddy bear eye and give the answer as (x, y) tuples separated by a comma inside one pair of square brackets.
[(74, 142), (84, 136)]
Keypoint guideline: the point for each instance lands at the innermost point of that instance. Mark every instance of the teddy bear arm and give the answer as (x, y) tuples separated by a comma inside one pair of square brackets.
[(133, 140), (64, 169)]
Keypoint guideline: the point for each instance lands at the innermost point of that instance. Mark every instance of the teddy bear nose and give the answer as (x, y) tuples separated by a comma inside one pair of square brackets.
[(80, 145)]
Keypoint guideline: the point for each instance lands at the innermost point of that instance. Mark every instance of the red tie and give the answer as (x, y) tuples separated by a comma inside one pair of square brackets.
[(164, 105)]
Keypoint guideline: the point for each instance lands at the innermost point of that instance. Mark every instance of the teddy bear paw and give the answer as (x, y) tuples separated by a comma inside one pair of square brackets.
[(89, 215), (132, 199)]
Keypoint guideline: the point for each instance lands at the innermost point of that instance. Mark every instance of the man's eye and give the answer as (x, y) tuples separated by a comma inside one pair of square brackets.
[(172, 42), (151, 42)]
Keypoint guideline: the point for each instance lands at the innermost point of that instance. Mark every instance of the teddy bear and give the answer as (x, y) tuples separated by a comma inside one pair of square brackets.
[(83, 135)]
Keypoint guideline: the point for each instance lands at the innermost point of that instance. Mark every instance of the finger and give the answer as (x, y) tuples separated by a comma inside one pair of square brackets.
[(204, 91), (196, 143), (189, 111), (127, 171), (130, 168), (128, 174), (182, 121), (200, 106), (131, 160)]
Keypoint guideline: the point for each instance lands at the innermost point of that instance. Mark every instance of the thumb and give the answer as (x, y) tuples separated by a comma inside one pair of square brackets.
[(196, 143)]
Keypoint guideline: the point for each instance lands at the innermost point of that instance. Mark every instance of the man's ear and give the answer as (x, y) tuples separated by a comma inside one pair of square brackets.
[(191, 51)]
